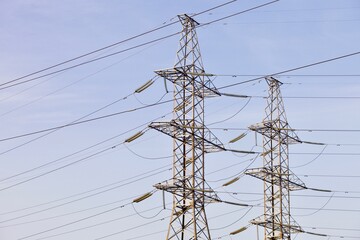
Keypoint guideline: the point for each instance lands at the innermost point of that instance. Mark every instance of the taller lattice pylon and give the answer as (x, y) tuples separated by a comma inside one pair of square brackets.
[(277, 177), (191, 139)]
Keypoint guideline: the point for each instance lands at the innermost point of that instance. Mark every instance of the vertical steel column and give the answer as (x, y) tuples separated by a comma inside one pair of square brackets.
[(278, 180), (191, 138)]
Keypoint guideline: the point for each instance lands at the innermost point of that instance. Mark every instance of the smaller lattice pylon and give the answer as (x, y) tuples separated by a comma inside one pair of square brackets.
[(275, 173)]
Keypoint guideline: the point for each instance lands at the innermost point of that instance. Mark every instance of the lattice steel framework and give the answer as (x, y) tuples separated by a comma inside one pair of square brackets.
[(277, 177), (191, 139)]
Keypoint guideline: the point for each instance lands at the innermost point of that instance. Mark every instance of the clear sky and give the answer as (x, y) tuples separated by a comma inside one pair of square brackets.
[(84, 188)]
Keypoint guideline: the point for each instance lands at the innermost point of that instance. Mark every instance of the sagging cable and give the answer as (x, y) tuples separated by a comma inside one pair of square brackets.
[(144, 86)]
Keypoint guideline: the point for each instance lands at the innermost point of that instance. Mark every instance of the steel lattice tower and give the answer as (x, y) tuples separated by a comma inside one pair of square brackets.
[(277, 177), (191, 139)]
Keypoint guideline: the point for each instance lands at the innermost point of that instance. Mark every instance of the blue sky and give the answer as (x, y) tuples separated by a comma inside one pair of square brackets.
[(281, 36)]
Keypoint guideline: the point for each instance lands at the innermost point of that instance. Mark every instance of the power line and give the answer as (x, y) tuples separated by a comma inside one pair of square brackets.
[(112, 45), (329, 154), (86, 227), (82, 56), (299, 208), (290, 22), (168, 166), (116, 233), (121, 51), (155, 171), (333, 228), (145, 235), (66, 165), (303, 153), (221, 237), (61, 167), (62, 88), (238, 13), (144, 157), (82, 198), (295, 195), (311, 233), (116, 219), (334, 176), (118, 113), (288, 75), (300, 97), (292, 69), (67, 214), (311, 9), (76, 221), (77, 152), (228, 225), (15, 82), (84, 121), (295, 129), (324, 209), (125, 230), (97, 224), (57, 160), (233, 115), (89, 61), (318, 210)]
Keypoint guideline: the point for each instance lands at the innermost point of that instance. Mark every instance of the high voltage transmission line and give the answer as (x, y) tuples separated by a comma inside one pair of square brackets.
[(113, 186), (17, 81), (111, 45), (292, 69), (277, 177), (79, 121), (191, 138)]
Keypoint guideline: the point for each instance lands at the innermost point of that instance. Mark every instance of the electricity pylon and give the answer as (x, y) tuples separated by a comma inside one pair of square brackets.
[(277, 177), (191, 139)]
